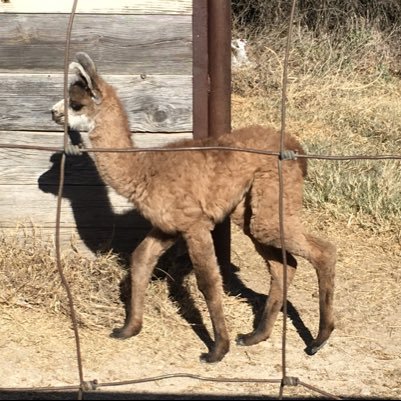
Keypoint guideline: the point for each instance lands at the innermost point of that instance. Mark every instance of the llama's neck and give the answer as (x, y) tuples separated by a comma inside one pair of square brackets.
[(117, 169)]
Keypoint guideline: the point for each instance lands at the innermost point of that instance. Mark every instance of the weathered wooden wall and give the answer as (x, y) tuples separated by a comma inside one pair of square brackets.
[(143, 47)]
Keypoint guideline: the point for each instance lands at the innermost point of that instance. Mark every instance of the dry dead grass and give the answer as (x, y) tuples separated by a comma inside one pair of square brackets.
[(344, 98), (30, 280)]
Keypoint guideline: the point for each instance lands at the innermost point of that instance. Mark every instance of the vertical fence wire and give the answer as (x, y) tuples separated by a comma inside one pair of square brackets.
[(281, 197), (59, 201)]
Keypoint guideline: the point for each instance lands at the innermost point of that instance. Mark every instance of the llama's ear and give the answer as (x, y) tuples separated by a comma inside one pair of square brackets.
[(90, 69), (81, 73), (85, 69), (87, 64)]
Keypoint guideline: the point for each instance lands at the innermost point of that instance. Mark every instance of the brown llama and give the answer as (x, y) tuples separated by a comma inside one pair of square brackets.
[(188, 193)]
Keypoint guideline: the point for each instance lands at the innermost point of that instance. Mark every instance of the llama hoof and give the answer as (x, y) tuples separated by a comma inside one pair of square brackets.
[(119, 334), (313, 348), (249, 339), (216, 354), (240, 340), (123, 333), (210, 357)]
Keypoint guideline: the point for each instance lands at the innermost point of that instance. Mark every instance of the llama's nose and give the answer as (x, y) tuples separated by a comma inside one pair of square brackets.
[(54, 114)]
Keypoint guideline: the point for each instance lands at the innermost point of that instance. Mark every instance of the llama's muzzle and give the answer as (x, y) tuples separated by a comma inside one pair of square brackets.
[(58, 112)]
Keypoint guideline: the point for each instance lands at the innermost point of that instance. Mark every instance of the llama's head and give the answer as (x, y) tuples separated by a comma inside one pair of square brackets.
[(84, 95)]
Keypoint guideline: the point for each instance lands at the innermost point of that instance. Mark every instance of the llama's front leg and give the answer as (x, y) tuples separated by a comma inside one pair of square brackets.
[(201, 252), (143, 261)]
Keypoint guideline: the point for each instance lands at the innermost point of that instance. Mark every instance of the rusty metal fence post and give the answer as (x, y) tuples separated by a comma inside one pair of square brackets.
[(200, 70), (212, 90), (219, 43)]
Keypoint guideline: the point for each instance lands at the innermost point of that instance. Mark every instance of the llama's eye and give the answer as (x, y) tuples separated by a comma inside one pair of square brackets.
[(76, 106)]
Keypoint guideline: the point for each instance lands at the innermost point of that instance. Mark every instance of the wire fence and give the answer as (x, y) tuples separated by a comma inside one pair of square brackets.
[(282, 155)]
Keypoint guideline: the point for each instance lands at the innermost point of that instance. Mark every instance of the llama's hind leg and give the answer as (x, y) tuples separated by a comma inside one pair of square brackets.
[(201, 251), (242, 216), (274, 301), (322, 255), (143, 261)]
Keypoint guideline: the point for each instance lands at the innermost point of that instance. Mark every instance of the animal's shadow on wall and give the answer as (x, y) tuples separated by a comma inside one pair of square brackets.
[(98, 226), (91, 207)]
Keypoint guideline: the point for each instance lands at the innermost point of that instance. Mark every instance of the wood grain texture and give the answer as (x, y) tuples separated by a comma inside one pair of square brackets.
[(97, 217), (25, 167), (101, 219), (85, 206), (119, 44), (100, 6), (144, 48), (154, 103)]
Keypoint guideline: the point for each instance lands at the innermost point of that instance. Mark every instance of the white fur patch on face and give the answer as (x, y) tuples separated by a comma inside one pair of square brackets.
[(58, 112), (59, 107), (80, 122)]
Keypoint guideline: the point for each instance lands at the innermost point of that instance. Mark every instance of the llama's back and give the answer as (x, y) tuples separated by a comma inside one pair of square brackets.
[(265, 138), (253, 137), (199, 184)]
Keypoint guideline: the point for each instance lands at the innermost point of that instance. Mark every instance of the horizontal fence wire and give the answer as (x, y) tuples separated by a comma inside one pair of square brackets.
[(94, 385), (282, 156), (200, 148)]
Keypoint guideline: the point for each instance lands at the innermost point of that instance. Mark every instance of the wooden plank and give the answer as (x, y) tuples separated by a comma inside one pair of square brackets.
[(101, 219), (98, 218), (120, 44), (87, 206), (153, 103), (20, 167), (87, 241), (99, 6)]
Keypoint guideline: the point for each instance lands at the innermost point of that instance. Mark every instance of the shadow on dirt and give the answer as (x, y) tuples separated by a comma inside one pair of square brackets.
[(103, 395)]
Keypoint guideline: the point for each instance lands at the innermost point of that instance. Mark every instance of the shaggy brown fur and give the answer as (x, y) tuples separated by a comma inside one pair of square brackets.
[(187, 193)]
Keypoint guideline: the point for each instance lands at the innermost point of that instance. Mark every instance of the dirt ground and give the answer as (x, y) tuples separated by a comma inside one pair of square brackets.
[(362, 358)]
